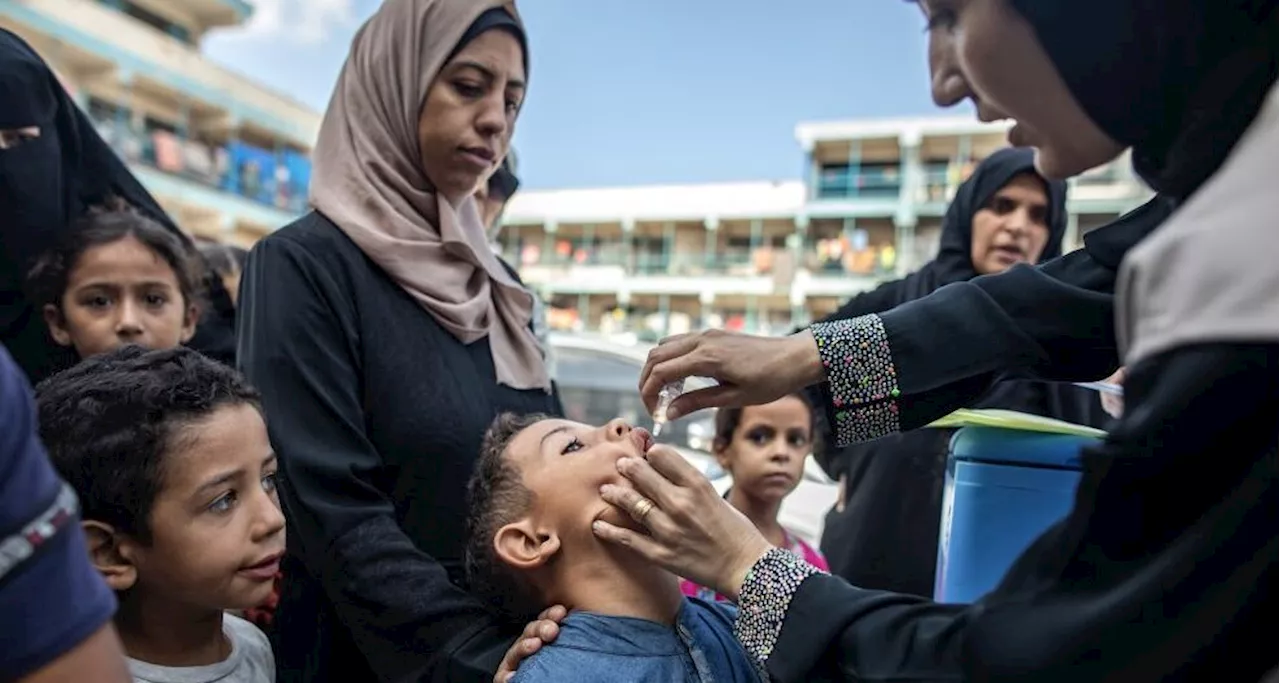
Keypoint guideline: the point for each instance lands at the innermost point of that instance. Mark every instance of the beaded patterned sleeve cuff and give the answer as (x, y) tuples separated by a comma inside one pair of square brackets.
[(764, 599), (863, 381)]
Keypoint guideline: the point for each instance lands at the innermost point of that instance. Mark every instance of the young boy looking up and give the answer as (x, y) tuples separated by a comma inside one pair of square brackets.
[(169, 455), (533, 498)]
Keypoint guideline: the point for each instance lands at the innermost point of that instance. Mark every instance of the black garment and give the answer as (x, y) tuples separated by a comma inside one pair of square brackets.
[(1178, 80), (1054, 322), (46, 183), (1165, 568), (377, 413), (1164, 571), (887, 535)]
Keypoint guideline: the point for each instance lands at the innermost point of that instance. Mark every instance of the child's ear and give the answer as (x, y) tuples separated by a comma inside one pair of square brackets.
[(57, 327), (189, 323), (523, 546), (111, 554), (720, 449)]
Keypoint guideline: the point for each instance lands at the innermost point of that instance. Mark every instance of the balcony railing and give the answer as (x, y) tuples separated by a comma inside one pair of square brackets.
[(820, 258), (938, 186), (275, 180), (848, 183)]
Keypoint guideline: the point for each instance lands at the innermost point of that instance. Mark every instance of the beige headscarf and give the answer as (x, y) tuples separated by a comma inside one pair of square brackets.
[(367, 178)]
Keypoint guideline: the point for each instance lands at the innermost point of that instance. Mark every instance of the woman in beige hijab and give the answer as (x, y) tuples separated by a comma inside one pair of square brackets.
[(385, 336)]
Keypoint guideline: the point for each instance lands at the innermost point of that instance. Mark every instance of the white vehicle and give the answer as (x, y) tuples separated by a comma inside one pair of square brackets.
[(598, 381)]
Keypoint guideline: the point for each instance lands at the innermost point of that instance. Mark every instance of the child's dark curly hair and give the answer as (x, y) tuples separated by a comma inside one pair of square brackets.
[(110, 423), (496, 496), (113, 220)]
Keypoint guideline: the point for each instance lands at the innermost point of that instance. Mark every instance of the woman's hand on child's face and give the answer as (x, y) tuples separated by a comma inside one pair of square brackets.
[(544, 629), (692, 531)]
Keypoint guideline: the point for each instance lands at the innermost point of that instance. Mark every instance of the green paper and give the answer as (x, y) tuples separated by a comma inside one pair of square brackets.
[(1012, 419)]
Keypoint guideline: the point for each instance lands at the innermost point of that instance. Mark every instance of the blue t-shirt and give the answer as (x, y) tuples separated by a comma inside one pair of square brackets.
[(700, 648), (51, 597)]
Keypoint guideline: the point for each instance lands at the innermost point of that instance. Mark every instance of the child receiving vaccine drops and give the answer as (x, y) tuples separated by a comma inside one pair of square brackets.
[(532, 501), (764, 448)]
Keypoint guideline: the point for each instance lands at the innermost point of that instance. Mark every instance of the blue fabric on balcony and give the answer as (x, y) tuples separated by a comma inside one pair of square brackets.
[(255, 169)]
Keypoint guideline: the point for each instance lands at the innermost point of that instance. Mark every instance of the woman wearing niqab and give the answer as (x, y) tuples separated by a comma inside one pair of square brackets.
[(53, 166)]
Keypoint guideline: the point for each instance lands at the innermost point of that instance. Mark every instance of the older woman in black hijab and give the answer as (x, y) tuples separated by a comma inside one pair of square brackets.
[(965, 253), (1166, 567), (53, 166), (883, 532)]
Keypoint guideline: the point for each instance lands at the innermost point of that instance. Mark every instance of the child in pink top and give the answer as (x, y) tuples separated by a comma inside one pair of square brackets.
[(764, 448)]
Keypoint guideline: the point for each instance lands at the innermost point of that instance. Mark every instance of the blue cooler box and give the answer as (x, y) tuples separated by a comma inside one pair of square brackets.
[(1004, 487)]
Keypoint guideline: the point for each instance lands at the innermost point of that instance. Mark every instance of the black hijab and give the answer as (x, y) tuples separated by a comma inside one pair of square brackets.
[(954, 262), (1177, 80), (47, 182)]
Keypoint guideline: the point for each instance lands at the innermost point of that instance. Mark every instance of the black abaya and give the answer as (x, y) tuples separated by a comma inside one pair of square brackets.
[(1170, 584)]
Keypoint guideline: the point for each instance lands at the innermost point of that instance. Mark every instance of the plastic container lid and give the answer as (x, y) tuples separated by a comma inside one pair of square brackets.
[(1015, 446)]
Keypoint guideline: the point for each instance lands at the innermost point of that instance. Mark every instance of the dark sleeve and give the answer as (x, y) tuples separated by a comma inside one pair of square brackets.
[(804, 625), (1164, 570), (1166, 567), (51, 597), (299, 344), (829, 455), (835, 631), (878, 300), (902, 369)]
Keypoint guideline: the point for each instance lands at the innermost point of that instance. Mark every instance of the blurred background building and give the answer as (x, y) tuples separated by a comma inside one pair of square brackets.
[(227, 157), (768, 256)]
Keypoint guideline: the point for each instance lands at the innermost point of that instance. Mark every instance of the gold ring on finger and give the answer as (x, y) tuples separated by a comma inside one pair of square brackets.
[(642, 509)]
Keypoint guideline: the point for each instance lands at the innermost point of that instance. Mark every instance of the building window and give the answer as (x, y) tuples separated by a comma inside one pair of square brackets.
[(878, 180), (151, 19), (104, 111), (153, 125)]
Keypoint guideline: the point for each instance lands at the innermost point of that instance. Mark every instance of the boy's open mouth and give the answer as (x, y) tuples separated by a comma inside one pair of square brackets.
[(642, 439)]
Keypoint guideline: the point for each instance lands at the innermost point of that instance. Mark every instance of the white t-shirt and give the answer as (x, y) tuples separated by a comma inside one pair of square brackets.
[(250, 661)]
